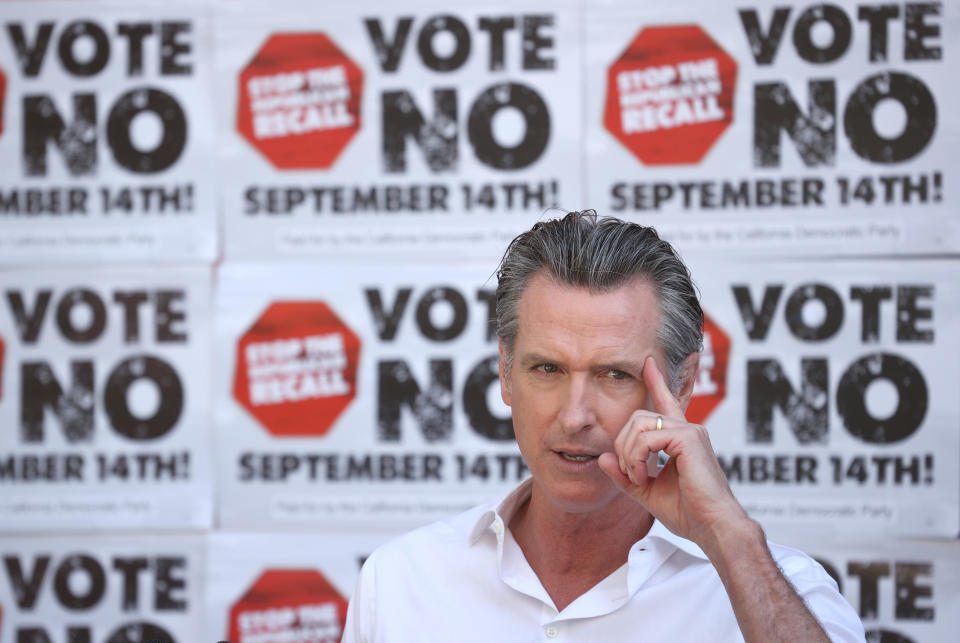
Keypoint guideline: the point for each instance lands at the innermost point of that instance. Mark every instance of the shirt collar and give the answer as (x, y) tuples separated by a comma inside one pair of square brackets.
[(513, 500), (504, 510)]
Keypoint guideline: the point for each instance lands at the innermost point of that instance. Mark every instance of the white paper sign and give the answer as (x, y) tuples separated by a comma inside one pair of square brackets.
[(424, 131), (106, 133), (105, 400), (104, 588), (283, 587), (362, 397), (776, 128), (833, 393)]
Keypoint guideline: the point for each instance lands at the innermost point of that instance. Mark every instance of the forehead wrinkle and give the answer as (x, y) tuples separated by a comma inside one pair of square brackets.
[(603, 344), (584, 329), (568, 328), (581, 317)]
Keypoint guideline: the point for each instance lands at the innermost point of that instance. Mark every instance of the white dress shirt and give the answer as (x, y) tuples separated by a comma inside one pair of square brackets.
[(466, 579)]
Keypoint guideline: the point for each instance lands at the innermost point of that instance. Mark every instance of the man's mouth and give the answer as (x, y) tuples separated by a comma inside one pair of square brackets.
[(576, 457)]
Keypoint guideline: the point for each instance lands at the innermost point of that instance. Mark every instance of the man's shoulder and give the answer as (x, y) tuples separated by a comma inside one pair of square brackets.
[(804, 572), (447, 536)]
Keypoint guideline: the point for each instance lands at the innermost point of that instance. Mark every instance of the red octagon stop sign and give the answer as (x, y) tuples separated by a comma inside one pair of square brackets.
[(711, 385), (297, 368), (290, 605), (299, 100), (670, 95)]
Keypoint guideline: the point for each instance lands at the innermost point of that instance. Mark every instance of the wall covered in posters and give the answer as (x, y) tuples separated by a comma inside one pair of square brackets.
[(247, 256)]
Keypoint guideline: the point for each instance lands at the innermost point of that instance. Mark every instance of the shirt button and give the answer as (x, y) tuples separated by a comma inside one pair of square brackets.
[(551, 632), (497, 528)]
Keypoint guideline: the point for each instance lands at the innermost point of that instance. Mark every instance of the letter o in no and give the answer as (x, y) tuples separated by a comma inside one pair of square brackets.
[(480, 379), (911, 404), (886, 636), (172, 119), (168, 410), (536, 118), (139, 632), (916, 100)]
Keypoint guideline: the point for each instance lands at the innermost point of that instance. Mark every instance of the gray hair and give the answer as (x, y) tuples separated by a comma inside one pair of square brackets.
[(600, 255)]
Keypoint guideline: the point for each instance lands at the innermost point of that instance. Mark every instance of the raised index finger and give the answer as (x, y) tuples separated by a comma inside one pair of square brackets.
[(663, 400)]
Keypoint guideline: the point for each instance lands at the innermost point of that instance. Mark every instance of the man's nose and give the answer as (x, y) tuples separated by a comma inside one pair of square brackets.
[(579, 406)]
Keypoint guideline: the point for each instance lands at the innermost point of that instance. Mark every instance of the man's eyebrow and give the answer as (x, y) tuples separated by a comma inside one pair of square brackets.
[(536, 358), (627, 366)]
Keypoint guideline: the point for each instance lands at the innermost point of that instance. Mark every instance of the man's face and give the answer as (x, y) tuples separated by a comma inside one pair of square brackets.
[(575, 380)]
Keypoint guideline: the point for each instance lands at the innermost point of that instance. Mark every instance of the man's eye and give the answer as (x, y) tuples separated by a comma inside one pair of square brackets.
[(548, 368), (617, 374)]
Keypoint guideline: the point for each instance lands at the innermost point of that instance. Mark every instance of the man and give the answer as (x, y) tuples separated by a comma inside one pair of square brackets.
[(599, 330)]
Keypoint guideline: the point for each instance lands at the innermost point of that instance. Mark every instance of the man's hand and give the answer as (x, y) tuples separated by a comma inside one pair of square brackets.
[(690, 496)]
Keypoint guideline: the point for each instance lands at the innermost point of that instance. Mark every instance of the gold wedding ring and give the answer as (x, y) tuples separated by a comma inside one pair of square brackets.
[(659, 422)]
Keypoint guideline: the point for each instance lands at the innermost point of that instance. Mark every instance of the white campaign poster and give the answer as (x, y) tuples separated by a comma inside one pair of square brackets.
[(129, 589), (283, 587), (105, 399), (829, 390), (360, 397), (776, 127), (424, 130), (905, 591), (106, 132)]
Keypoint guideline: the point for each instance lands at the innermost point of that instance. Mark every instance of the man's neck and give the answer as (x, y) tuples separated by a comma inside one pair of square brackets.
[(572, 552)]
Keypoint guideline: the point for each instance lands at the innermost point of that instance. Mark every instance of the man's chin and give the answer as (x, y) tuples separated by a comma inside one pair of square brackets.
[(583, 496)]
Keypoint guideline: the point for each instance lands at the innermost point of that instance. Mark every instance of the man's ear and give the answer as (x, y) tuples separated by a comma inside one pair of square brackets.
[(504, 376), (688, 377)]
